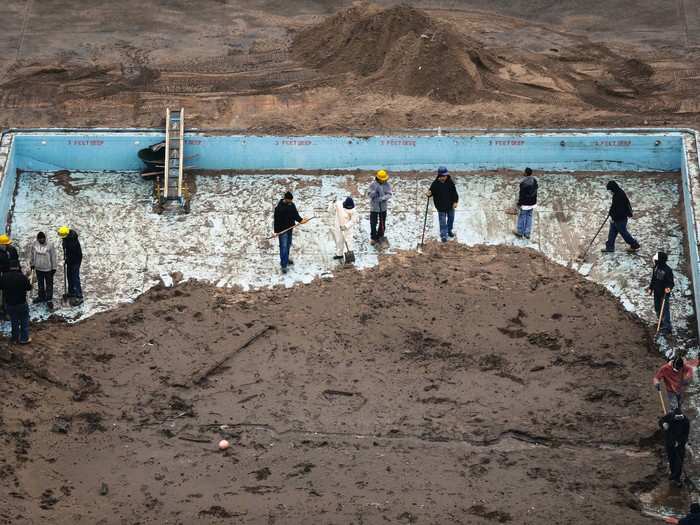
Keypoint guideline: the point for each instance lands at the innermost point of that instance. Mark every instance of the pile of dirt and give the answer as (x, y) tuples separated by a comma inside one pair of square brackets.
[(429, 378), (399, 50), (403, 50)]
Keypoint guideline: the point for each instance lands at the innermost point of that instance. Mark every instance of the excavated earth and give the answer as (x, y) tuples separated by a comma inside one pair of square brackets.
[(462, 385), (336, 66)]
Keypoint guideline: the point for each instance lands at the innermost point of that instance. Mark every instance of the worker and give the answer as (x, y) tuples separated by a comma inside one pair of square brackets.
[(345, 220), (527, 201), (620, 211), (693, 517), (15, 285), (676, 376), (445, 198), (379, 195), (676, 428), (73, 258), (660, 286), (43, 262), (285, 218), (8, 255)]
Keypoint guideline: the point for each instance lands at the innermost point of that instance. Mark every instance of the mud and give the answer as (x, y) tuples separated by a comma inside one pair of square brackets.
[(435, 388)]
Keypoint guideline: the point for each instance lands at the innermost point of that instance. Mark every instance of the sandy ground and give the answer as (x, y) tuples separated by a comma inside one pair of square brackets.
[(228, 62), (464, 385)]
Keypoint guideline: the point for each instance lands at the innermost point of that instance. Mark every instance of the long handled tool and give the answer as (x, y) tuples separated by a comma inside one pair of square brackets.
[(349, 254), (290, 228), (65, 281), (661, 314), (663, 403), (583, 256), (425, 221)]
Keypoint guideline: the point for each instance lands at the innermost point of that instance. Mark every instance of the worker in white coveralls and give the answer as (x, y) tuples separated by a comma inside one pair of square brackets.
[(345, 220)]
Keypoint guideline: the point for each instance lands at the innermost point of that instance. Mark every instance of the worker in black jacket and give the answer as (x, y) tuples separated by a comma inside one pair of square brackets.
[(620, 211), (286, 217), (73, 258), (660, 286), (8, 256), (527, 201), (445, 199), (676, 428), (15, 285)]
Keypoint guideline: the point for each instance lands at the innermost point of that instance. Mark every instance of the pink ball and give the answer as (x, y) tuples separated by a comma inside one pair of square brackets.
[(223, 444)]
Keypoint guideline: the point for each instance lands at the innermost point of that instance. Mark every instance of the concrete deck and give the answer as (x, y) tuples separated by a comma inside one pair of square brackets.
[(129, 248)]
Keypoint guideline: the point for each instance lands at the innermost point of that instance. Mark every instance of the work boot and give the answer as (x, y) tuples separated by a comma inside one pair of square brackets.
[(517, 234), (451, 234), (50, 305), (443, 239), (337, 257), (284, 270), (605, 250), (633, 249), (373, 242), (26, 342), (38, 300), (290, 263), (76, 301)]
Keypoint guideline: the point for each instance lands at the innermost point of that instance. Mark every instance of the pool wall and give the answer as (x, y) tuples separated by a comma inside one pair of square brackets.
[(571, 152), (464, 150)]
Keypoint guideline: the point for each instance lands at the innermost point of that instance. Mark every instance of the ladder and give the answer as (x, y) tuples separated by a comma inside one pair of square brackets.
[(174, 158)]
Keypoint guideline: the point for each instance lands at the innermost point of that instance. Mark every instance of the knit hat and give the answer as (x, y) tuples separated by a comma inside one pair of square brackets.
[(678, 364), (348, 203), (660, 257), (289, 196)]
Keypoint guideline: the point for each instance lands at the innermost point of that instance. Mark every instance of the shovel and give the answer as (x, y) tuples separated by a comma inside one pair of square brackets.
[(290, 228), (65, 296), (582, 258), (661, 314), (349, 254)]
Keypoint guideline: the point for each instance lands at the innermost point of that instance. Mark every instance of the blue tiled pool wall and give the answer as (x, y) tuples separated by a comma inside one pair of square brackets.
[(100, 151)]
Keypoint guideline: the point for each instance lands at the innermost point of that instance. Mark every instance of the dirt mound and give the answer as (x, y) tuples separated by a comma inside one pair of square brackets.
[(394, 384), (405, 51), (400, 50)]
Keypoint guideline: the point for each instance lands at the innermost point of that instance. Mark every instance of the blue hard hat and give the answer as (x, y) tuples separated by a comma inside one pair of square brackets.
[(442, 171)]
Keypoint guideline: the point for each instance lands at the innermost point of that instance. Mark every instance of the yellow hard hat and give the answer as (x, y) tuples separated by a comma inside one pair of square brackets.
[(4, 239), (382, 176), (63, 231)]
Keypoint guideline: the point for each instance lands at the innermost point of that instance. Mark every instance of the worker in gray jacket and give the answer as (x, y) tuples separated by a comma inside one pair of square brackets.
[(43, 262), (379, 194)]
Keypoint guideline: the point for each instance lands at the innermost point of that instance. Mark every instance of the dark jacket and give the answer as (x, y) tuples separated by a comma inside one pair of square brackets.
[(528, 191), (72, 252), (8, 253), (286, 216), (678, 429), (662, 276), (620, 209), (15, 285), (691, 519), (444, 194)]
